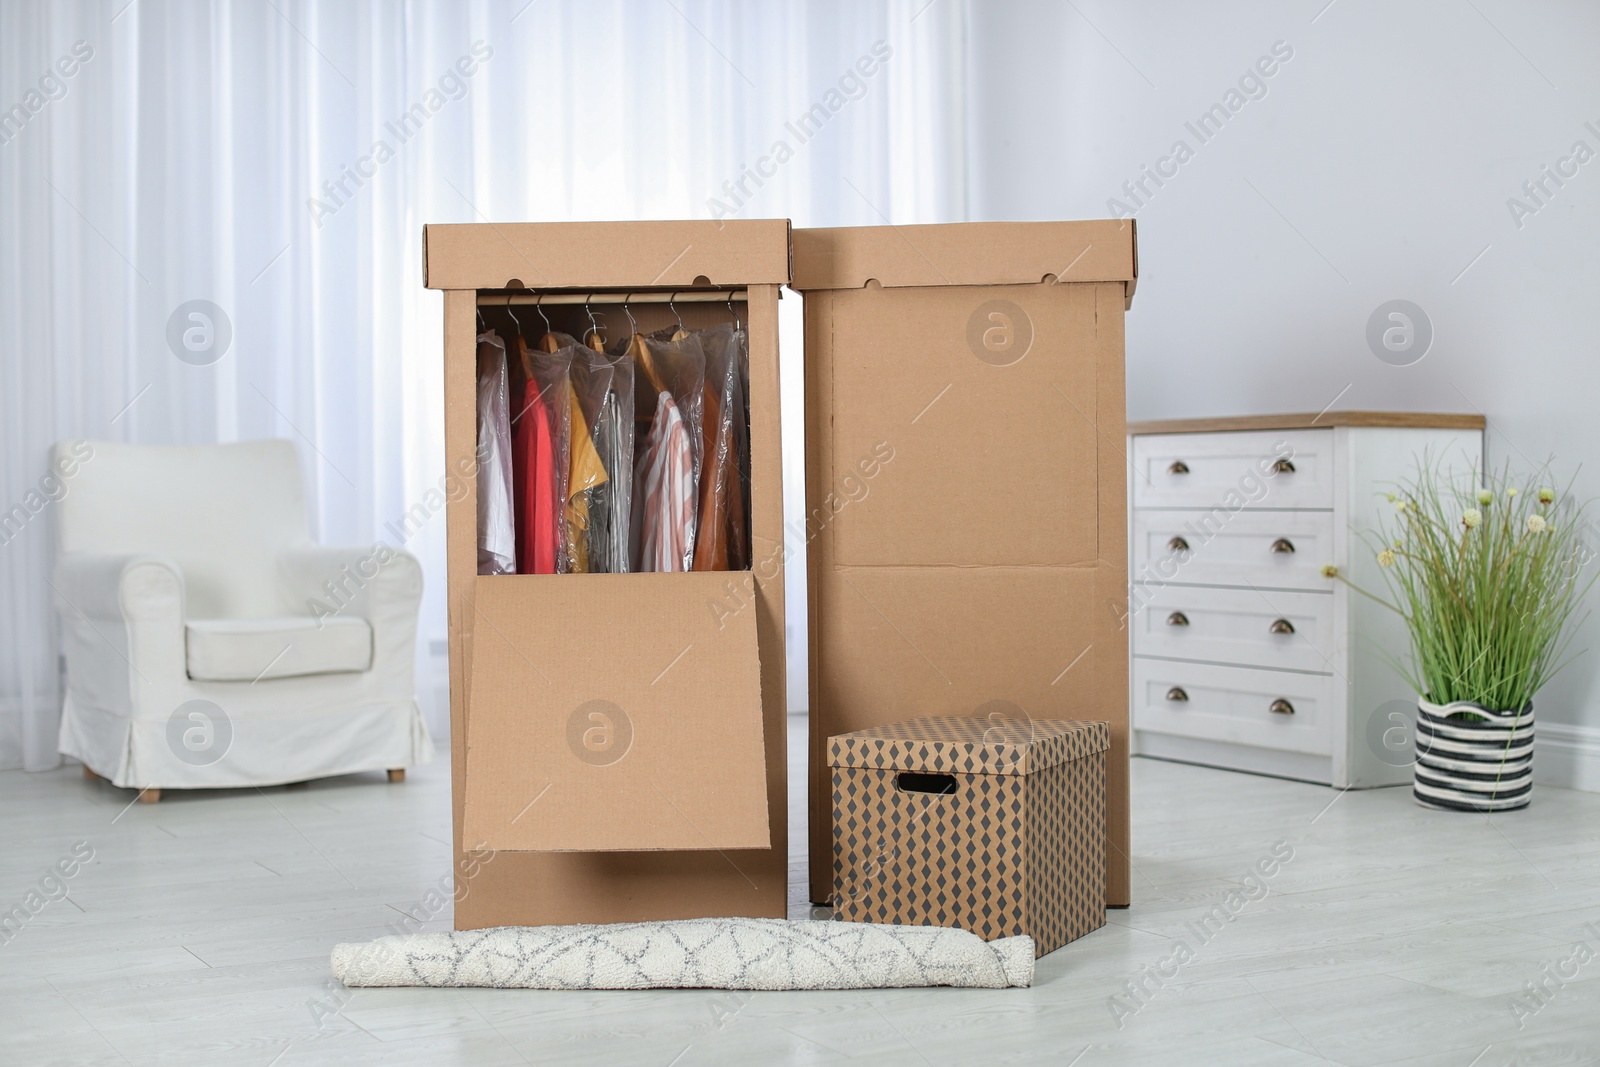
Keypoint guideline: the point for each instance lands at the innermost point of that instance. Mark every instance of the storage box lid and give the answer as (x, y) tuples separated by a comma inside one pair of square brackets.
[(968, 745), (967, 253), (606, 255)]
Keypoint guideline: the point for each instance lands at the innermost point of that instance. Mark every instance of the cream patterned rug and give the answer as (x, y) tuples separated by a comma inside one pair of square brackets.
[(691, 953)]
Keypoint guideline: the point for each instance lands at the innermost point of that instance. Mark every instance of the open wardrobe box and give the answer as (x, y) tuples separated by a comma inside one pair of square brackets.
[(618, 739)]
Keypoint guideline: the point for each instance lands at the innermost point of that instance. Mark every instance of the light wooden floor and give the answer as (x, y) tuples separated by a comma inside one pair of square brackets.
[(200, 931)]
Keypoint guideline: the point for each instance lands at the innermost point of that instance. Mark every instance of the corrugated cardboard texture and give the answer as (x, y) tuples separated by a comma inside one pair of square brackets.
[(578, 255), (988, 253), (999, 854), (973, 746), (532, 888), (984, 566), (627, 735)]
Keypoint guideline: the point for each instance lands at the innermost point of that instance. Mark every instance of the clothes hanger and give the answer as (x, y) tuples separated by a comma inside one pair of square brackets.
[(522, 345), (633, 325), (595, 341), (639, 352), (681, 332), (548, 342), (737, 325)]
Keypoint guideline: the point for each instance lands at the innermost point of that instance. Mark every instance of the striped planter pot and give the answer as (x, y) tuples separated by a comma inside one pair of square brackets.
[(1464, 765)]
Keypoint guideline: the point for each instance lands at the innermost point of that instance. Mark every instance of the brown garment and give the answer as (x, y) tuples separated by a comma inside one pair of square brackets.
[(717, 463)]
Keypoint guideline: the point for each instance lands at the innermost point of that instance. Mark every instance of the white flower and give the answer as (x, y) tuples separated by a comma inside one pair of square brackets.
[(1330, 571), (1536, 524), (1485, 497), (1400, 505), (1512, 491), (1471, 518), (1386, 558), (1547, 495)]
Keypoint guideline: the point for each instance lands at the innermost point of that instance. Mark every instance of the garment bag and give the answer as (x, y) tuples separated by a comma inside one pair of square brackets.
[(669, 378), (604, 387), (497, 538), (721, 539)]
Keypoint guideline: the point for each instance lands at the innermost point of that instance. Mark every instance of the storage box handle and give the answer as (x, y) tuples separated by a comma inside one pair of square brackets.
[(916, 782), (1178, 466), (1283, 544), (1283, 466), (1281, 626)]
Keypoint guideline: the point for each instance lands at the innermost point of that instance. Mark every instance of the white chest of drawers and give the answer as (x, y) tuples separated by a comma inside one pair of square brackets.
[(1243, 655)]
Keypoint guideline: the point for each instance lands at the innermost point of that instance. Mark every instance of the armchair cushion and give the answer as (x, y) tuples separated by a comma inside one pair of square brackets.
[(249, 650)]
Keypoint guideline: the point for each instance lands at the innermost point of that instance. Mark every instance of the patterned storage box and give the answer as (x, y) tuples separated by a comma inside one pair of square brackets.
[(997, 827)]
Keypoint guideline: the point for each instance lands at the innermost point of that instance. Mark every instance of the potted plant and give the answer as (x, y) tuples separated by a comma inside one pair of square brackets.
[(1487, 580)]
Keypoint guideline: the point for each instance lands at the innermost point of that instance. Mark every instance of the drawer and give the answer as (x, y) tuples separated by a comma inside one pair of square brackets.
[(1258, 469), (1274, 628), (1268, 549), (1234, 705)]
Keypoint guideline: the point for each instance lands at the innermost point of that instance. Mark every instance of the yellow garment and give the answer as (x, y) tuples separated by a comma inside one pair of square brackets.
[(587, 472)]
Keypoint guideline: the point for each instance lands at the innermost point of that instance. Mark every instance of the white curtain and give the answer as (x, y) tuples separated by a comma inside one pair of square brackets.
[(279, 158)]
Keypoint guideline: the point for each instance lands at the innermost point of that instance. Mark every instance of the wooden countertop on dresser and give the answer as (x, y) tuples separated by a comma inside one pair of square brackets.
[(1309, 421)]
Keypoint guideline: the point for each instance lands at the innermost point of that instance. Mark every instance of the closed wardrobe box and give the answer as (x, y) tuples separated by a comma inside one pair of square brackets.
[(966, 490), (617, 739)]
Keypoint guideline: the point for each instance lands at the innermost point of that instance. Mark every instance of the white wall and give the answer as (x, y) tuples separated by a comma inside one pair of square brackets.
[(1377, 166)]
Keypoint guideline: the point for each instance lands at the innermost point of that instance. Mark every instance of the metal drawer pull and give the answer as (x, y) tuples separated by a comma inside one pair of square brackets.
[(1281, 626), (1283, 466), (1177, 618), (1281, 707), (1177, 694), (1178, 466), (1283, 544), (1177, 544)]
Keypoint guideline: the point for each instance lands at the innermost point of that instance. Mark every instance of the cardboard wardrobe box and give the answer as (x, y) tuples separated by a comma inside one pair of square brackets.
[(617, 739), (993, 826), (966, 485)]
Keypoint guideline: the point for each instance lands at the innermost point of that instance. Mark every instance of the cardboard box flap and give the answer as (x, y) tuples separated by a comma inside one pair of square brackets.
[(614, 712), (989, 745), (991, 253), (606, 255)]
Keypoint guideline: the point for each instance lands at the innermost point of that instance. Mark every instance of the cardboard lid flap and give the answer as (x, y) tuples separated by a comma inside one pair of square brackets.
[(966, 253), (600, 255), (970, 745), (614, 712)]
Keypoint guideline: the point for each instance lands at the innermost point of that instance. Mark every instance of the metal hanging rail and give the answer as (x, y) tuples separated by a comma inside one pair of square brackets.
[(697, 296)]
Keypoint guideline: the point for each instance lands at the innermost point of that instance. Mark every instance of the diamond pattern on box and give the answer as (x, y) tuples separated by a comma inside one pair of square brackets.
[(1001, 832)]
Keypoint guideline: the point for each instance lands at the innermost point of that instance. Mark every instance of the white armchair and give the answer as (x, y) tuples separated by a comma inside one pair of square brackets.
[(208, 643)]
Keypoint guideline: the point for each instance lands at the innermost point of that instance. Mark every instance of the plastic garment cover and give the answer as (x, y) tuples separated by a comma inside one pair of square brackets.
[(669, 389), (497, 539), (603, 386), (541, 457), (587, 473), (665, 508), (721, 539)]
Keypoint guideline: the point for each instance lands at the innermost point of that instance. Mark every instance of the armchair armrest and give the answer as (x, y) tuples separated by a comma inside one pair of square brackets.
[(118, 587), (373, 583)]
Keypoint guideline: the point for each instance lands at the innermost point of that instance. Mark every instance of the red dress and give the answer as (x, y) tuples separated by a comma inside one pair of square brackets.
[(533, 476)]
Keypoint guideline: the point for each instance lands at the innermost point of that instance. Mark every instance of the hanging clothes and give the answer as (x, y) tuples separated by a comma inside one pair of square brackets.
[(609, 515), (664, 511), (603, 385), (497, 539), (720, 541), (537, 448), (586, 473)]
